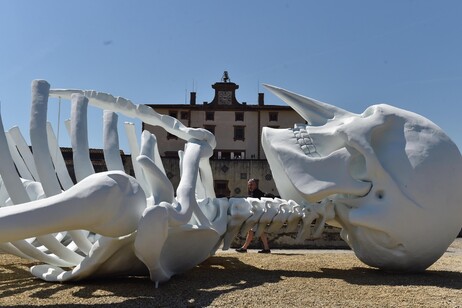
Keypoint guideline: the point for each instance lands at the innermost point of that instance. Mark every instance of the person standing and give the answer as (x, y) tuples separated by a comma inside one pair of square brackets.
[(254, 192)]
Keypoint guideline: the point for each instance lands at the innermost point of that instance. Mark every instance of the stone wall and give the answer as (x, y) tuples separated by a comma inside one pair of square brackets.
[(235, 172), (330, 239)]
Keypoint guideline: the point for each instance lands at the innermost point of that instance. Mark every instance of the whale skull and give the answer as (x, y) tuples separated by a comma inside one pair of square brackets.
[(393, 175)]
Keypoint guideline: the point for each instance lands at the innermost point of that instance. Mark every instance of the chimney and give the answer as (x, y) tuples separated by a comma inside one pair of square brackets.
[(261, 99), (192, 98)]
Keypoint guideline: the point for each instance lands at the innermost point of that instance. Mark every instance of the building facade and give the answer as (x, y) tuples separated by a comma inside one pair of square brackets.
[(237, 127)]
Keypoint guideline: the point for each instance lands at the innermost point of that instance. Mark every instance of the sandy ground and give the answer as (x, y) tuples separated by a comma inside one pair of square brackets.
[(285, 278)]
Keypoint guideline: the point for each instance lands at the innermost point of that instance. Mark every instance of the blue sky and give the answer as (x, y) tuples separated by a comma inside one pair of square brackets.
[(348, 53)]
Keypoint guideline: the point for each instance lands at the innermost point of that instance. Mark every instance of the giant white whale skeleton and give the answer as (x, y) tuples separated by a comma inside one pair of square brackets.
[(388, 177)]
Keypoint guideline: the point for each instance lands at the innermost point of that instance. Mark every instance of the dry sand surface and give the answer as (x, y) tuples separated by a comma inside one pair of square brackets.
[(296, 278)]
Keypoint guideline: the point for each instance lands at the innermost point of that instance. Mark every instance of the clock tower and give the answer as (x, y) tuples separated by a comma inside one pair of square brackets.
[(225, 92)]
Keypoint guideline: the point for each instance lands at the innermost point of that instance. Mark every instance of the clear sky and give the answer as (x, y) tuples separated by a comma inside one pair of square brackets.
[(348, 53)]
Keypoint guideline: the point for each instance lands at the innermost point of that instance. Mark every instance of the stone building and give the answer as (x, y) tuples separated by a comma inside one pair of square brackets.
[(97, 159), (237, 127)]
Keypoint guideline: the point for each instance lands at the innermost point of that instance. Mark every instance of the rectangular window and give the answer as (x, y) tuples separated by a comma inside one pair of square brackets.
[(273, 116), (239, 133), (184, 115), (239, 116), (237, 155), (225, 155), (173, 114), (210, 128), (209, 115)]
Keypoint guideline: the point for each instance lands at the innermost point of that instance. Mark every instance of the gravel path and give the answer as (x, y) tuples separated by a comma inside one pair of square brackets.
[(285, 278)]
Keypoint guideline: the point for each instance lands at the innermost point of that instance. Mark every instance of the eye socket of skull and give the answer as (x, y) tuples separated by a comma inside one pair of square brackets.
[(357, 165)]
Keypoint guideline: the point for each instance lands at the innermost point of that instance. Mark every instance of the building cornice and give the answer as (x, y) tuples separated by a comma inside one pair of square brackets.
[(209, 107)]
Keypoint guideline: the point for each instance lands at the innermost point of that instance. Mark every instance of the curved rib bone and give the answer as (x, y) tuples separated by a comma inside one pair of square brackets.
[(134, 148), (58, 160), (18, 161), (111, 142), (79, 137), (42, 157), (18, 194), (144, 113), (24, 151)]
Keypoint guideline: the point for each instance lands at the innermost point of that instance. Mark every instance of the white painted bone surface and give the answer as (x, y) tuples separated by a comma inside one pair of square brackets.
[(106, 101), (94, 204), (393, 175), (371, 174)]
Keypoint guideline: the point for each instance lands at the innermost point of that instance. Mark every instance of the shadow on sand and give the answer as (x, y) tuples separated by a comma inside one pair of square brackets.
[(199, 287)]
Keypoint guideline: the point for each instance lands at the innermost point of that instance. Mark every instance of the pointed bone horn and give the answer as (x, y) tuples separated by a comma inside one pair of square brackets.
[(314, 112)]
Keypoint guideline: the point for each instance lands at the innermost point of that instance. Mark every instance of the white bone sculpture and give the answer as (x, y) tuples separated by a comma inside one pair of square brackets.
[(388, 177)]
